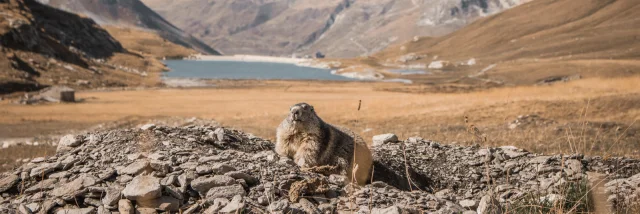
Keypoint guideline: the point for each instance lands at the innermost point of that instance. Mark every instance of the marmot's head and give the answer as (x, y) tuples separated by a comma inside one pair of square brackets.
[(302, 115)]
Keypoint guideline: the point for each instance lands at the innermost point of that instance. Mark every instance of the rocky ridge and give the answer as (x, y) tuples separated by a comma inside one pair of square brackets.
[(43, 46), (337, 28), (211, 169)]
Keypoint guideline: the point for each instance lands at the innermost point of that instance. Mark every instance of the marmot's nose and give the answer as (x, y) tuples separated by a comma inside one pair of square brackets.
[(295, 113)]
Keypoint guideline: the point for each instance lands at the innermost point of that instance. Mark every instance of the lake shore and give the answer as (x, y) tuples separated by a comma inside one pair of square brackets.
[(362, 74), (256, 58)]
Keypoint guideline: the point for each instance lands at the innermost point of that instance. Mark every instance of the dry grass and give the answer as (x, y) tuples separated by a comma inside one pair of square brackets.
[(9, 155), (594, 116)]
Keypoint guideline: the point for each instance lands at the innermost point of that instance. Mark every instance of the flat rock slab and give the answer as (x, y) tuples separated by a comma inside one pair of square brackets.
[(88, 210), (135, 168), (8, 181), (69, 190), (379, 140), (227, 192), (143, 188), (203, 184)]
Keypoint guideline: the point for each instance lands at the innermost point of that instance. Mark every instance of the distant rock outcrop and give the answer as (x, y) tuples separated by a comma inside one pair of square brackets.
[(131, 13), (338, 28), (45, 46), (207, 169)]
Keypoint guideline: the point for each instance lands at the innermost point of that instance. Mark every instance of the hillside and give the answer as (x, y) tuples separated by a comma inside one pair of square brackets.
[(144, 41), (134, 14), (538, 42), (338, 28), (44, 46)]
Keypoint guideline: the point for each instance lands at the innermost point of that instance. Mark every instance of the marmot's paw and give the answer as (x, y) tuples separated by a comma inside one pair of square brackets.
[(307, 187), (325, 170)]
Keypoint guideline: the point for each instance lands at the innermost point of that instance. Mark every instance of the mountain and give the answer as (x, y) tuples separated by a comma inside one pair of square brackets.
[(338, 28), (44, 46), (131, 13), (537, 42)]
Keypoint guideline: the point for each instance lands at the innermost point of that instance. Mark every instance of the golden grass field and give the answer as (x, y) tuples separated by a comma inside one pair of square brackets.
[(592, 116)]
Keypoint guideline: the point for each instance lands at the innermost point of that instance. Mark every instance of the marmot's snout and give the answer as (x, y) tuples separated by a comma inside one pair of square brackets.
[(300, 111), (296, 114)]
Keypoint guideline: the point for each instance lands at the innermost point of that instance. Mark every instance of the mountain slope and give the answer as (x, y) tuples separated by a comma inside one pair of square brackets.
[(132, 13), (45, 46), (338, 28), (535, 42)]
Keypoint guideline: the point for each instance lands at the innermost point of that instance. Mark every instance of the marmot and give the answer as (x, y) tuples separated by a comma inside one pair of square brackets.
[(311, 142)]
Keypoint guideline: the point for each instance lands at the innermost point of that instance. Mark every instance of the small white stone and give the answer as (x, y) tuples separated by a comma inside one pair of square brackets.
[(148, 126), (380, 140)]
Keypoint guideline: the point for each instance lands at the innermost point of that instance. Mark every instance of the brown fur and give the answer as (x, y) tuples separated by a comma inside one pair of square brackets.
[(311, 142)]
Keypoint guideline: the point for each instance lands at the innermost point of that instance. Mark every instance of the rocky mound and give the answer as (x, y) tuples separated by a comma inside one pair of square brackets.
[(207, 169)]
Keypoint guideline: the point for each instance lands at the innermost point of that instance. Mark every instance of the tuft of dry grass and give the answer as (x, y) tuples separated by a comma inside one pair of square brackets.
[(8, 156)]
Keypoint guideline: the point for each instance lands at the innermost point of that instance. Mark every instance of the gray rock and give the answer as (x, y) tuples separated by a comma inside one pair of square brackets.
[(103, 210), (217, 205), (203, 184), (143, 188), (68, 142), (23, 209), (193, 209), (514, 154), (160, 167), (144, 210), (38, 160), (125, 207), (58, 175), (41, 186), (337, 179), (148, 126), (92, 202), (469, 204), (379, 140), (164, 203), (112, 195), (34, 207), (388, 210), (540, 160), (88, 210), (226, 191), (169, 180), (327, 208), (43, 169), (281, 206), (174, 192), (236, 205), (203, 169), (489, 205), (241, 175), (69, 190), (7, 181), (135, 168), (220, 168), (573, 167), (210, 159), (307, 206)]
